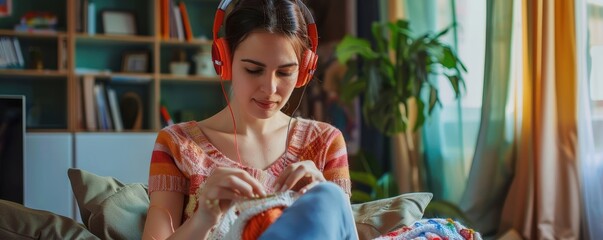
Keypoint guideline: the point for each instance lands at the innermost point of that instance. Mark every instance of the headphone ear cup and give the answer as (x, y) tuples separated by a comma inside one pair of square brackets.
[(220, 54), (307, 68)]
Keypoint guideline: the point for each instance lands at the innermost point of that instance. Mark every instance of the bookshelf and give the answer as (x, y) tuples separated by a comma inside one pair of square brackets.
[(56, 62)]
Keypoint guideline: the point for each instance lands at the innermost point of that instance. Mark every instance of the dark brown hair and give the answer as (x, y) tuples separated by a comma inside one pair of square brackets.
[(273, 16)]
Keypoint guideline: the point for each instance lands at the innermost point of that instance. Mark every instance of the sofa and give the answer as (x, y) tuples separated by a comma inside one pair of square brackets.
[(111, 209)]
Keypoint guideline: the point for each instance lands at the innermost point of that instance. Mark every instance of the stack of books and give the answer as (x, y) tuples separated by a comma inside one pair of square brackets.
[(174, 21), (11, 55)]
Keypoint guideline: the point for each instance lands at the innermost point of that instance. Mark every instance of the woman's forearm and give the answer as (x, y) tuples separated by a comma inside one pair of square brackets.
[(193, 228)]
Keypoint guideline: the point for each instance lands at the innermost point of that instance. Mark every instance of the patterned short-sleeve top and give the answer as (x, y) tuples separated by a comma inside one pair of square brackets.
[(183, 158)]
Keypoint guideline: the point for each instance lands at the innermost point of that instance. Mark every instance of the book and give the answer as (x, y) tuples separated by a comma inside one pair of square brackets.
[(172, 20), (186, 22), (115, 111), (4, 60), (102, 111), (165, 19), (178, 20), (18, 52), (91, 18), (89, 102), (9, 50)]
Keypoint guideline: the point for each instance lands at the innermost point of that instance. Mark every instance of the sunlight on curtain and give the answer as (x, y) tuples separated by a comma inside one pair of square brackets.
[(590, 114), (451, 132), (543, 201), (491, 169), (471, 44)]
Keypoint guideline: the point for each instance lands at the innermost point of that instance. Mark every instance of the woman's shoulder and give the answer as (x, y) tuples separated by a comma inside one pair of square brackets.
[(183, 126), (182, 130), (315, 133), (309, 125)]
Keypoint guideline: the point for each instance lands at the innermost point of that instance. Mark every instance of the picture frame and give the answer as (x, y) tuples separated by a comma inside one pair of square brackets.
[(135, 62), (119, 22)]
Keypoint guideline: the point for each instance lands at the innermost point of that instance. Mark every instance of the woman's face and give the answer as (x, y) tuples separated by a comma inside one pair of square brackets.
[(264, 73)]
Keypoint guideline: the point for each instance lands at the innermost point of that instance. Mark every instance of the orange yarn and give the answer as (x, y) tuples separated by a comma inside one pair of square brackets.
[(259, 223)]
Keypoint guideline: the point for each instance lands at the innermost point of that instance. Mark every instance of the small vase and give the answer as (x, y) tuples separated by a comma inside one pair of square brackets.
[(204, 65), (179, 68)]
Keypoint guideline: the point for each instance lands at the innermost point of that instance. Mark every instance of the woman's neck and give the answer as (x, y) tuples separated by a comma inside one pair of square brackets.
[(248, 125)]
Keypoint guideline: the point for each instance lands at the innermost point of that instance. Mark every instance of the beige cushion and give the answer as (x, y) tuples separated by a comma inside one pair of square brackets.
[(113, 210), (382, 216), (19, 222), (109, 208)]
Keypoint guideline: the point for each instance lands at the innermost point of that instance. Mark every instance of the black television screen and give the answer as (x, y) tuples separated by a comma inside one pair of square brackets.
[(12, 147)]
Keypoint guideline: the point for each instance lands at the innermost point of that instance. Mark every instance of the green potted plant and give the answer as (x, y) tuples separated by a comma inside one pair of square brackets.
[(395, 77), (396, 71)]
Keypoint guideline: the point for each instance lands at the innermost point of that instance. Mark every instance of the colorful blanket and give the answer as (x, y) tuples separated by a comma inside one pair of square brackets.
[(433, 229)]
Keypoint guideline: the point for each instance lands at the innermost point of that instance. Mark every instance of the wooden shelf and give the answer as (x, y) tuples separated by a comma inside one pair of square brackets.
[(46, 130), (176, 42), (101, 56), (191, 78), (134, 77), (102, 38), (32, 73), (32, 34), (118, 74)]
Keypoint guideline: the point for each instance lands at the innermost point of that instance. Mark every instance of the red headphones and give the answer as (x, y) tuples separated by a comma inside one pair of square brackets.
[(221, 53)]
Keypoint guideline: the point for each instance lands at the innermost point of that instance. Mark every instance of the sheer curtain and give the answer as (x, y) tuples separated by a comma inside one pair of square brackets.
[(450, 133), (491, 169), (590, 118)]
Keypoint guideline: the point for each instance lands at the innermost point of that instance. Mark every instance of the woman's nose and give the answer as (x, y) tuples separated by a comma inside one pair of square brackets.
[(269, 83)]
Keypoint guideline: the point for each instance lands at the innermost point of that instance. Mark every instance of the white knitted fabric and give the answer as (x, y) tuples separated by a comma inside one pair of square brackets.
[(231, 226)]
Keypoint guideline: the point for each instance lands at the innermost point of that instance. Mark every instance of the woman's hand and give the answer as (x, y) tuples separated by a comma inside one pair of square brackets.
[(300, 176), (222, 187)]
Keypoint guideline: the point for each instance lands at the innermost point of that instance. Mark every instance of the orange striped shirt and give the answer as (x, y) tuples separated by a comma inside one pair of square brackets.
[(183, 157)]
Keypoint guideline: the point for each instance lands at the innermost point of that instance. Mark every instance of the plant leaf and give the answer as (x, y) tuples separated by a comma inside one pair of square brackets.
[(420, 114), (351, 46), (443, 32), (378, 35), (454, 82), (433, 98), (364, 178), (447, 59), (352, 89), (360, 197), (391, 79), (374, 83)]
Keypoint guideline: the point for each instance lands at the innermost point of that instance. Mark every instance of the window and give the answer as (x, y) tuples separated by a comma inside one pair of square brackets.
[(470, 42), (595, 74)]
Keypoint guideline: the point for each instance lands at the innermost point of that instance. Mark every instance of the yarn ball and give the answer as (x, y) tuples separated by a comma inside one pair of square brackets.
[(259, 223)]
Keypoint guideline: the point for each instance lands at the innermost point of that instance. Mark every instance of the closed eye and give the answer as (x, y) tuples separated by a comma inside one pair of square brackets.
[(285, 74), (253, 71)]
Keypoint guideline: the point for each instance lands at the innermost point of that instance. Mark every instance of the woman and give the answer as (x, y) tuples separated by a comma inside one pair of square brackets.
[(251, 149)]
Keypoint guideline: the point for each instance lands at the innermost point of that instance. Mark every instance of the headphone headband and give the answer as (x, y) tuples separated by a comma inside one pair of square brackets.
[(221, 53), (311, 24)]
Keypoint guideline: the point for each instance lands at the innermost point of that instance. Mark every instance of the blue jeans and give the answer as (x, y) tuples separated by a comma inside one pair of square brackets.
[(321, 213)]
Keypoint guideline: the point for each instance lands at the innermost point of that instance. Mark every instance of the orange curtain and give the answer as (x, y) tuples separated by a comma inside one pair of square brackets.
[(543, 201)]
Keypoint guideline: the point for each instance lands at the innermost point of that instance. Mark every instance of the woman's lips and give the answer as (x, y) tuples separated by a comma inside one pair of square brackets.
[(265, 104)]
